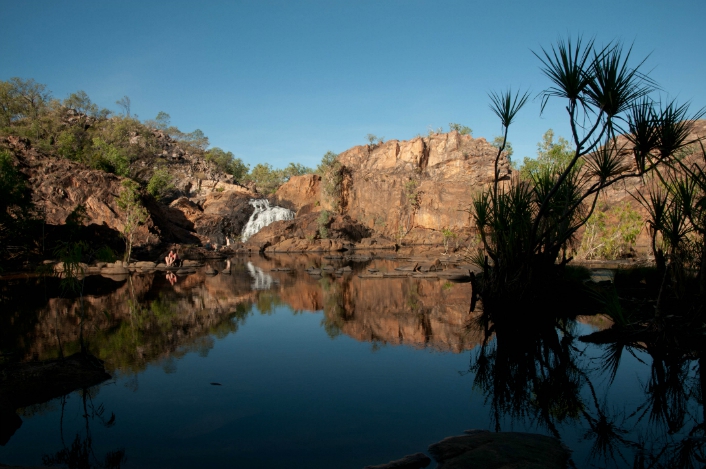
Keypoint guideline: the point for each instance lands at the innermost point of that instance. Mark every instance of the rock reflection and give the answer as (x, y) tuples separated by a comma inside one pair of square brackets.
[(149, 318)]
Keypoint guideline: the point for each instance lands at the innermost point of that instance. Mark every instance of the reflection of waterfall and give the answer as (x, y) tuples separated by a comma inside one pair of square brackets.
[(261, 281), (263, 216)]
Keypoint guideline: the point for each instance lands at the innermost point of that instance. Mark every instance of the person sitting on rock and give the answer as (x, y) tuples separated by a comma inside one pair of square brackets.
[(170, 259)]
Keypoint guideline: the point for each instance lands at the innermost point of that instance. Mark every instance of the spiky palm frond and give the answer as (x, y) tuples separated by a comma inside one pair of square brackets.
[(605, 163), (569, 66), (675, 126), (506, 106), (616, 85), (643, 131)]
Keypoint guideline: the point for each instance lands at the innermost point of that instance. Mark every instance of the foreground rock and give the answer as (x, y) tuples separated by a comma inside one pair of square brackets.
[(413, 461), (25, 384), (503, 450)]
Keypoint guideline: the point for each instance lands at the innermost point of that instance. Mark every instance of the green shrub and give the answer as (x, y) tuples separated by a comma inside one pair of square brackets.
[(610, 234), (160, 184), (322, 221), (331, 172), (105, 254), (462, 129)]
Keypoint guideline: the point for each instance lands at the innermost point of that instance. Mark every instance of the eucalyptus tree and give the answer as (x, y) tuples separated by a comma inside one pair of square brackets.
[(525, 225)]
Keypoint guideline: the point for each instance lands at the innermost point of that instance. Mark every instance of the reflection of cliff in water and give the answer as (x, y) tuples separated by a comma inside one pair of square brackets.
[(145, 319), (398, 311)]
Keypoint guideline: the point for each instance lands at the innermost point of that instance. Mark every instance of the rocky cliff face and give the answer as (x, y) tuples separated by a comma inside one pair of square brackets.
[(408, 190), (212, 210)]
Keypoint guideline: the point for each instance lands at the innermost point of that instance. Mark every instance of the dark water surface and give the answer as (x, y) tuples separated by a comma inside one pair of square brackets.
[(268, 368)]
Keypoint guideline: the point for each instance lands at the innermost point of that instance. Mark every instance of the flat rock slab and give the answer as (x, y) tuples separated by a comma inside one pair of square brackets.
[(503, 450), (413, 461)]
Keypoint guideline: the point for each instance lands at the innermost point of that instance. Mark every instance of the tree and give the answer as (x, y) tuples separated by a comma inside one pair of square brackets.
[(124, 103), (526, 225), (134, 213), (80, 102), (32, 97), (462, 129), (374, 139), (17, 212), (160, 184), (266, 178), (296, 169), (550, 154), (227, 163), (161, 122)]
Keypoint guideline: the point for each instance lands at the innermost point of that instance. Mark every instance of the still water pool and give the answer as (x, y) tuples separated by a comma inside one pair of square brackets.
[(266, 368)]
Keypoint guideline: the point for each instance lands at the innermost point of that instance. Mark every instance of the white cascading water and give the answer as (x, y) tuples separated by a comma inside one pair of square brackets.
[(264, 215)]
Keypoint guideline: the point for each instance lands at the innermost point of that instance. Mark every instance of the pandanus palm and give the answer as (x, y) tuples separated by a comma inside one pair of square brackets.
[(525, 225)]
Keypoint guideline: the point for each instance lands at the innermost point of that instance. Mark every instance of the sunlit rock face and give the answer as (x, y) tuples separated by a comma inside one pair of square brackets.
[(420, 186), (264, 215)]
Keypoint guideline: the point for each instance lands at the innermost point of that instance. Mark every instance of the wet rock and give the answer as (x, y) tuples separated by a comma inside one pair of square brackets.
[(114, 270), (503, 450), (210, 270), (145, 265), (412, 461)]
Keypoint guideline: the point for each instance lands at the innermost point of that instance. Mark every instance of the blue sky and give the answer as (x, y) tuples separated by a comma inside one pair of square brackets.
[(281, 81)]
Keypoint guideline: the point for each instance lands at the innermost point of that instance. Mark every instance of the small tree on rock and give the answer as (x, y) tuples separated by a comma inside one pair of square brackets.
[(135, 213)]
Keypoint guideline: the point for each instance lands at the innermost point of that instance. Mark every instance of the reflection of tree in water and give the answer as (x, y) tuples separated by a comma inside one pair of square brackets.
[(335, 315), (536, 373), (80, 454)]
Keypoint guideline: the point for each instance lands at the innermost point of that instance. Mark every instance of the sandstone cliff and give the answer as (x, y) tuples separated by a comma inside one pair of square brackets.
[(406, 190)]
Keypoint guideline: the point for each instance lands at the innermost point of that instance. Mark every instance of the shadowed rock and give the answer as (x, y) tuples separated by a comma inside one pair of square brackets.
[(412, 461), (503, 450)]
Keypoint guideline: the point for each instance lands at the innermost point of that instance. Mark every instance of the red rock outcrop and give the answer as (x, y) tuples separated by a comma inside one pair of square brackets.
[(407, 189)]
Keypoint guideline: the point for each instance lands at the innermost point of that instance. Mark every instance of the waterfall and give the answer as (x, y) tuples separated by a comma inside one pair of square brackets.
[(263, 216)]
